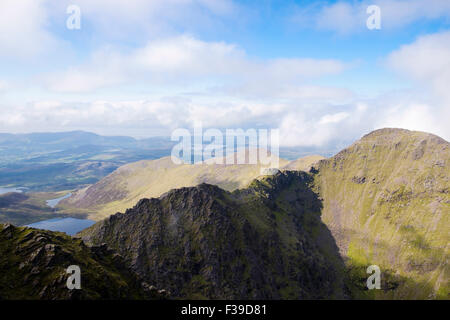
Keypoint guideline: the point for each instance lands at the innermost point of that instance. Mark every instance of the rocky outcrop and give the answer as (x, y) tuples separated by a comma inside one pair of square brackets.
[(33, 265), (263, 242)]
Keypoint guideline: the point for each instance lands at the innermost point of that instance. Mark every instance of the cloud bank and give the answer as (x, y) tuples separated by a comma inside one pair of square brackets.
[(150, 72)]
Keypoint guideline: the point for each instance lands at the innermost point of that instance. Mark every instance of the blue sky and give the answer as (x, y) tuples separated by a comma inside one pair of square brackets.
[(310, 68)]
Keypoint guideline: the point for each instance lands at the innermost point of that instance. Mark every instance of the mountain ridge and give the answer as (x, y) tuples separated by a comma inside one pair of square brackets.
[(143, 179), (205, 242)]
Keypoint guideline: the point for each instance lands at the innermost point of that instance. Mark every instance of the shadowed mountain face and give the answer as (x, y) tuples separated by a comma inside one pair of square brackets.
[(263, 242), (33, 266), (386, 201)]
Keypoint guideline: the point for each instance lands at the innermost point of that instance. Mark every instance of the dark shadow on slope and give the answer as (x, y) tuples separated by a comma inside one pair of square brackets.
[(263, 242), (291, 192), (393, 285), (297, 196)]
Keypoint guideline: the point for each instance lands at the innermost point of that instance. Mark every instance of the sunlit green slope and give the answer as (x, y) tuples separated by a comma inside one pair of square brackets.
[(386, 201)]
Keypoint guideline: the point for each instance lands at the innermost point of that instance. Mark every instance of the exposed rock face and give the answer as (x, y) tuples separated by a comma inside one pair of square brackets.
[(263, 242), (123, 188), (33, 265)]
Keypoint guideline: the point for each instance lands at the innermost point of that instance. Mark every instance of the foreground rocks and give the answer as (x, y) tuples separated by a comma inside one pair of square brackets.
[(33, 265)]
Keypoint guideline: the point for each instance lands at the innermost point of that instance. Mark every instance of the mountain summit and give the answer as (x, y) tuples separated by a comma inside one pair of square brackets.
[(386, 200)]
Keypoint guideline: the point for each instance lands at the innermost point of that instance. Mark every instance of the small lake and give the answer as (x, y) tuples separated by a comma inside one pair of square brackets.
[(8, 190), (54, 202), (68, 225)]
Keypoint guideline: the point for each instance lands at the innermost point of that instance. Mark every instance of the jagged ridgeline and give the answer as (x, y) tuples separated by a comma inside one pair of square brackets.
[(33, 265), (386, 201), (262, 242), (123, 188)]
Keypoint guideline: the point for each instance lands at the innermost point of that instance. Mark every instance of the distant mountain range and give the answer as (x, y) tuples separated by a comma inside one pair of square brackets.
[(68, 160)]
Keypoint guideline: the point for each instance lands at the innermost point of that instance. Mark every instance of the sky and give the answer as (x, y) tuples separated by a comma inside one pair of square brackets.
[(312, 69)]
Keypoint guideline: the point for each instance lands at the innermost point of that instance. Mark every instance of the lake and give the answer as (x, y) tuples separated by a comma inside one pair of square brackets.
[(53, 202), (68, 225)]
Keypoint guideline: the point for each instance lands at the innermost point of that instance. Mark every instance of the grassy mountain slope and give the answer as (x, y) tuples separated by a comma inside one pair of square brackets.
[(303, 164), (26, 208), (33, 266), (262, 242), (145, 179), (386, 201)]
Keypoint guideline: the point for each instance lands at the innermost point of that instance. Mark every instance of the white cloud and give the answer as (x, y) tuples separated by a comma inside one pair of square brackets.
[(419, 117), (299, 123), (184, 58), (333, 118), (350, 17), (23, 29), (427, 62), (400, 13), (3, 85), (267, 88), (307, 115), (233, 89), (137, 20), (30, 28), (342, 17)]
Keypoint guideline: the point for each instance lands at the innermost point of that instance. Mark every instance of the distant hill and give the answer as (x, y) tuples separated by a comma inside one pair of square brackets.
[(67, 160), (61, 140), (304, 163), (20, 208), (145, 179), (56, 161)]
